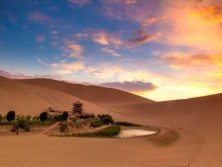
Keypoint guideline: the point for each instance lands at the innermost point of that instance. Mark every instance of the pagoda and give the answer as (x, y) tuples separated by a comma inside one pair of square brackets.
[(77, 108)]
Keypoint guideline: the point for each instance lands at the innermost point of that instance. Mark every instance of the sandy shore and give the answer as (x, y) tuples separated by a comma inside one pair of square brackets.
[(43, 151)]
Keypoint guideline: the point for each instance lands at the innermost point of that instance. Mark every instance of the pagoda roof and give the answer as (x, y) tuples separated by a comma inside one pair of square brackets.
[(77, 103)]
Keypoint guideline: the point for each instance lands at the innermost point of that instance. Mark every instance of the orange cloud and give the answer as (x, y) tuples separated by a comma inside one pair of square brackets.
[(68, 68), (181, 60), (209, 14), (192, 26), (72, 49), (104, 38), (149, 21), (101, 38), (129, 2)]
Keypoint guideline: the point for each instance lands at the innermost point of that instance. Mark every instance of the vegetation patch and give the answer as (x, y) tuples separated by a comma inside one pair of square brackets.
[(127, 124), (96, 123), (110, 131), (63, 126), (165, 138), (23, 124), (107, 119)]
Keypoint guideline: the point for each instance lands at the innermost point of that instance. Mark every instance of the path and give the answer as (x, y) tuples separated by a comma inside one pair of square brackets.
[(50, 128)]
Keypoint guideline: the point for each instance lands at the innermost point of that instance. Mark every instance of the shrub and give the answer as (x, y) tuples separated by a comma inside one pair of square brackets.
[(57, 118), (63, 126), (126, 124), (65, 115), (28, 118), (106, 118), (10, 116), (97, 123), (43, 116), (0, 117), (23, 124), (110, 131), (78, 124)]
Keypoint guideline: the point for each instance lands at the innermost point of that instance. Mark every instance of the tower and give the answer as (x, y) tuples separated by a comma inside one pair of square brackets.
[(77, 107)]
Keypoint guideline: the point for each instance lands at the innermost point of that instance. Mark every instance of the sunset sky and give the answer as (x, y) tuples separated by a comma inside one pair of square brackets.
[(160, 49)]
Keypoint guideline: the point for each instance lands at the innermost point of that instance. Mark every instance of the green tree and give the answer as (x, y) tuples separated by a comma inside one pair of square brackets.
[(65, 115), (107, 119), (43, 116), (10, 116)]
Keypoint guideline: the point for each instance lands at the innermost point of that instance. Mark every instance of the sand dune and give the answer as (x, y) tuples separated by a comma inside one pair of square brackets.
[(198, 120), (202, 116), (94, 94), (31, 99)]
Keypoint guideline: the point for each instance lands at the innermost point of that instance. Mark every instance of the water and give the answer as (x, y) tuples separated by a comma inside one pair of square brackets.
[(134, 133)]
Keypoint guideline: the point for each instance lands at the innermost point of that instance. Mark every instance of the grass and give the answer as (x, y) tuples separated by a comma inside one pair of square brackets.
[(166, 138), (41, 123), (97, 123), (127, 124), (110, 131), (33, 122)]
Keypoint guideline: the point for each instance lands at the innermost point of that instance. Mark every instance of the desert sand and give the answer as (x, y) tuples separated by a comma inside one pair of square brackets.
[(197, 120)]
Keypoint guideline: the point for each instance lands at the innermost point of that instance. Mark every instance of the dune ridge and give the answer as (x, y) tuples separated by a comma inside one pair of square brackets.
[(94, 94), (32, 99)]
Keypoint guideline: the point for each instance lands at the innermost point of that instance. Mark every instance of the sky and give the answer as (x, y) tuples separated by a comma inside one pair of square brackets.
[(159, 49)]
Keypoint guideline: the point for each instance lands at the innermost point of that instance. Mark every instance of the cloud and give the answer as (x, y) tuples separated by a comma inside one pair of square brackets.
[(80, 2), (123, 2), (39, 17), (42, 62), (116, 14), (184, 60), (149, 21), (23, 76), (10, 75), (117, 71), (141, 37), (73, 49), (110, 51), (104, 38), (100, 38), (54, 32), (64, 71), (197, 26), (81, 35), (129, 2), (40, 38), (103, 71), (131, 10), (131, 86), (68, 68), (209, 14), (182, 23)]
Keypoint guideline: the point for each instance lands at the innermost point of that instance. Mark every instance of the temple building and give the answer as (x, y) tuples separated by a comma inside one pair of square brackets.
[(77, 108)]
